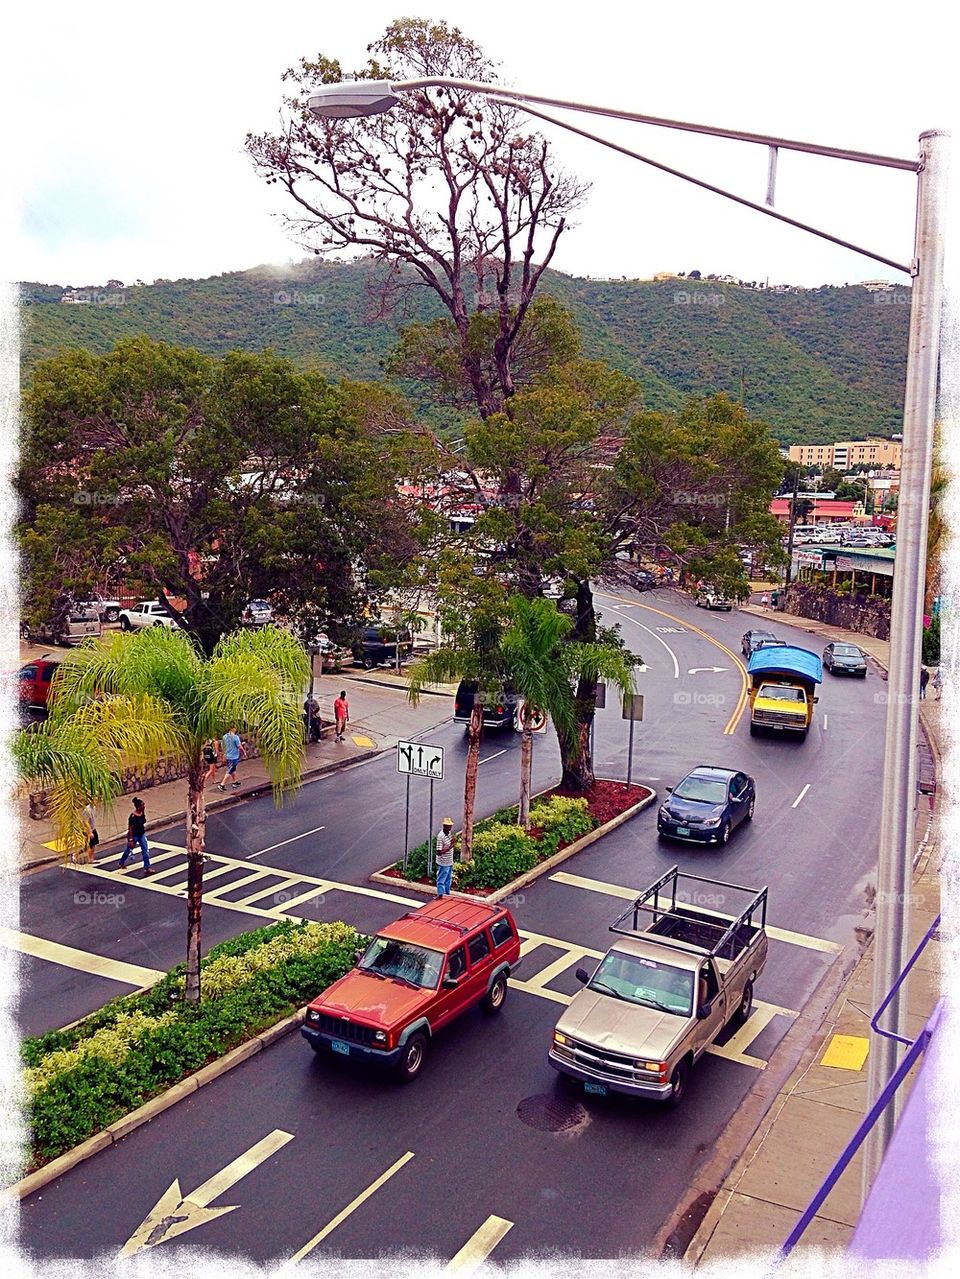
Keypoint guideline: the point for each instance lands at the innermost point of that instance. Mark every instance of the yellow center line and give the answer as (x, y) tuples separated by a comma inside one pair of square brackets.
[(478, 1247), (734, 720), (352, 1207), (83, 961)]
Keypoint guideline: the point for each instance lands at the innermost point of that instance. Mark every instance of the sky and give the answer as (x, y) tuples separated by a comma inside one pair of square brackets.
[(125, 128)]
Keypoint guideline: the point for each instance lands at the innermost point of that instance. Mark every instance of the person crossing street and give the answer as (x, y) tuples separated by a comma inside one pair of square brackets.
[(233, 748)]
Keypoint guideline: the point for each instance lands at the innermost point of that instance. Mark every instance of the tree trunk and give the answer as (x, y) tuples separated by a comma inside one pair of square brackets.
[(196, 837), (470, 780), (526, 771), (575, 756)]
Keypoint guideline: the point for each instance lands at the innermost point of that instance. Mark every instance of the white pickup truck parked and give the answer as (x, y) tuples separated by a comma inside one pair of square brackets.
[(146, 613)]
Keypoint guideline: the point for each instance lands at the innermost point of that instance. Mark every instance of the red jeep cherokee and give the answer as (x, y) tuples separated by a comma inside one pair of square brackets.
[(415, 976)]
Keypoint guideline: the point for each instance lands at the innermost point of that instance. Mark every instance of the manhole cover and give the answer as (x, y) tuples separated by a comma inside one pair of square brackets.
[(551, 1114)]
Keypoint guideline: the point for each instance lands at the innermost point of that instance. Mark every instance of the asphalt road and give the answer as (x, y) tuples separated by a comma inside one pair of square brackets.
[(492, 1130)]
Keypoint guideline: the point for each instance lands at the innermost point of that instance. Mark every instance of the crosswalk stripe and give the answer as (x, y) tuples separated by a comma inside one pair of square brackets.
[(238, 883), (82, 960), (554, 969), (629, 894)]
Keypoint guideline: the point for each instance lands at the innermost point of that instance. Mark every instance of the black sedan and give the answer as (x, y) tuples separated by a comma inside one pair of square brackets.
[(845, 659), (707, 805)]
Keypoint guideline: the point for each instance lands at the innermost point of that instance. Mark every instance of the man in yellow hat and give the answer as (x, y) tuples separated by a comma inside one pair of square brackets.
[(444, 851)]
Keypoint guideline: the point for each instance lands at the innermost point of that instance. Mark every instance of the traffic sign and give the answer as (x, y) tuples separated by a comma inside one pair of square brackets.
[(420, 759), (537, 718), (633, 706)]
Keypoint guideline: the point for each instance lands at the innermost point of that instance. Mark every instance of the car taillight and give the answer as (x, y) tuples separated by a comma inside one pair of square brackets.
[(499, 710)]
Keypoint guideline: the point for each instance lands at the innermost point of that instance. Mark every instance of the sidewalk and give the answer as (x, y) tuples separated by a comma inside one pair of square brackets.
[(378, 720), (819, 1107)]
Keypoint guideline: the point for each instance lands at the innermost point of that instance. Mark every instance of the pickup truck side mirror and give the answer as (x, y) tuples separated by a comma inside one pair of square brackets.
[(704, 1011), (582, 975)]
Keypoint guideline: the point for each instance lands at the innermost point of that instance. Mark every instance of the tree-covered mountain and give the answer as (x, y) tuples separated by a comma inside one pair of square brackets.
[(817, 364)]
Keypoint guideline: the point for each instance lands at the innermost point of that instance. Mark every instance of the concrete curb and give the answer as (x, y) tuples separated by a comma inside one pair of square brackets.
[(260, 788), (397, 684), (529, 876), (155, 1106)]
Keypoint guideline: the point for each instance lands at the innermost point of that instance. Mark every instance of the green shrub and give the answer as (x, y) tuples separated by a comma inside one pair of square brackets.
[(562, 820), (81, 1080)]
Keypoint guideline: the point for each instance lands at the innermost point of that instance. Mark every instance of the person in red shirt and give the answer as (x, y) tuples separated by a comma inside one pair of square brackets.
[(341, 713)]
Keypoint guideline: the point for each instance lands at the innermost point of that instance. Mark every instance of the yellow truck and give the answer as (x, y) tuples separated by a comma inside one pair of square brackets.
[(783, 682)]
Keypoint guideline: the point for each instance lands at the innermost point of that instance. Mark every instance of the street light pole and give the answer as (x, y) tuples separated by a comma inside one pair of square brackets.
[(895, 860)]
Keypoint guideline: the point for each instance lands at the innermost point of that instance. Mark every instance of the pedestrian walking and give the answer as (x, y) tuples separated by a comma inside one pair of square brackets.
[(211, 760), (341, 713), (232, 748), (444, 853), (938, 683), (924, 681), (137, 836), (764, 600), (93, 837)]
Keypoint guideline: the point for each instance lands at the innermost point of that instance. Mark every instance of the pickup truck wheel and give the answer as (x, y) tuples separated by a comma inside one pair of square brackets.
[(125, 624), (754, 730), (368, 662), (111, 615), (745, 1007), (678, 1085), (492, 1001), (412, 1059)]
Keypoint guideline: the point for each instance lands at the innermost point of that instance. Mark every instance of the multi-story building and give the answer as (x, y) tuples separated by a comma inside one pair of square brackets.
[(847, 454)]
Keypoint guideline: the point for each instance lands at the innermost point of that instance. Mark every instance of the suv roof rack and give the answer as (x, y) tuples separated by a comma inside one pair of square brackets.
[(727, 926)]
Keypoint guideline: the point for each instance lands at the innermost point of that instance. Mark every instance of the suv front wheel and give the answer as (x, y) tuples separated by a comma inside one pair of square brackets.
[(492, 1001), (412, 1058)]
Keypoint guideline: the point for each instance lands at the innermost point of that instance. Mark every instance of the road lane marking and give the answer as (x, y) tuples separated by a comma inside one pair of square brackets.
[(352, 1206), (174, 1213), (284, 842), (800, 796), (543, 991), (83, 961), (553, 969), (489, 758), (630, 894), (478, 1247), (735, 1047), (660, 640), (825, 723), (734, 720)]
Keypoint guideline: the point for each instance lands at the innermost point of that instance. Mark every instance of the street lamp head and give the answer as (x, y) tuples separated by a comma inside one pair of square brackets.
[(352, 98)]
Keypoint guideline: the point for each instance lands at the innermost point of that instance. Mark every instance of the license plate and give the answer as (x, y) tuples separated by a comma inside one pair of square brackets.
[(599, 1089), (683, 830), (339, 1046)]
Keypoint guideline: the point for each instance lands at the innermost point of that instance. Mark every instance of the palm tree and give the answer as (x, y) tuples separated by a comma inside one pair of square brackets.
[(474, 655), (545, 667), (135, 699)]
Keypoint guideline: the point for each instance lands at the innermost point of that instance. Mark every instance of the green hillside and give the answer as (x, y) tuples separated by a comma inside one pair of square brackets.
[(817, 364)]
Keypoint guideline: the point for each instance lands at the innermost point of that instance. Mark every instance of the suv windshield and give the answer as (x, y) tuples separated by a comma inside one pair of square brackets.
[(643, 981), (702, 789), (404, 961)]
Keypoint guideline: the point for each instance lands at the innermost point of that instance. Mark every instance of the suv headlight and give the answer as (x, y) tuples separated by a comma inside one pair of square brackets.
[(312, 1014), (379, 1036)]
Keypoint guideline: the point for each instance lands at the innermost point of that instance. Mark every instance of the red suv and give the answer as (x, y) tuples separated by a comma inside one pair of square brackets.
[(35, 680), (416, 975)]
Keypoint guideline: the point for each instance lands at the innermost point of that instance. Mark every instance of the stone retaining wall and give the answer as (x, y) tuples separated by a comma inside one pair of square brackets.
[(867, 614)]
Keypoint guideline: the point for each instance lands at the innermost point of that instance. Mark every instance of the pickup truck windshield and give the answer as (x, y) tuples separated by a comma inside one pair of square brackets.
[(783, 693), (699, 788), (644, 981), (400, 959)]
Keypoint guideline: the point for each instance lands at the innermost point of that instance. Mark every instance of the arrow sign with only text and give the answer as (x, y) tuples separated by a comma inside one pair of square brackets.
[(176, 1213), (419, 759)]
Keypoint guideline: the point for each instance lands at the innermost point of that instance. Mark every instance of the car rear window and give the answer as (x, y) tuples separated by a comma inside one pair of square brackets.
[(479, 948), (501, 932)]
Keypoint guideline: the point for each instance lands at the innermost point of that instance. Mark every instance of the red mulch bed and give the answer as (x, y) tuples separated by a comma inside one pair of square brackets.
[(605, 801)]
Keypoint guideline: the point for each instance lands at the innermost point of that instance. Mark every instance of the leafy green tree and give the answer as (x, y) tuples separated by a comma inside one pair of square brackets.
[(210, 482), (545, 670), (151, 695)]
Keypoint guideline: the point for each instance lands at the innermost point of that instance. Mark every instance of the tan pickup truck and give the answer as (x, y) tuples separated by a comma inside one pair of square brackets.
[(677, 975)]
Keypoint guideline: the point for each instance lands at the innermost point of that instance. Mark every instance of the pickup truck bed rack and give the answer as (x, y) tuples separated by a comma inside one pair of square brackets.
[(689, 927)]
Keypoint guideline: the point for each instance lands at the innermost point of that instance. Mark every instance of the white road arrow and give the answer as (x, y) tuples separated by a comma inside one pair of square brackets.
[(696, 670), (175, 1214)]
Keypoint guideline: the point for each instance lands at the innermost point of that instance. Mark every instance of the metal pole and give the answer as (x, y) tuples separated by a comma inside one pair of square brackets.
[(895, 861), (630, 753), (793, 521), (406, 828), (430, 836)]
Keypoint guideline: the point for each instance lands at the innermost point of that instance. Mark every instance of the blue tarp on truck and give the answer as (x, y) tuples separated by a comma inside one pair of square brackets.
[(784, 659)]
